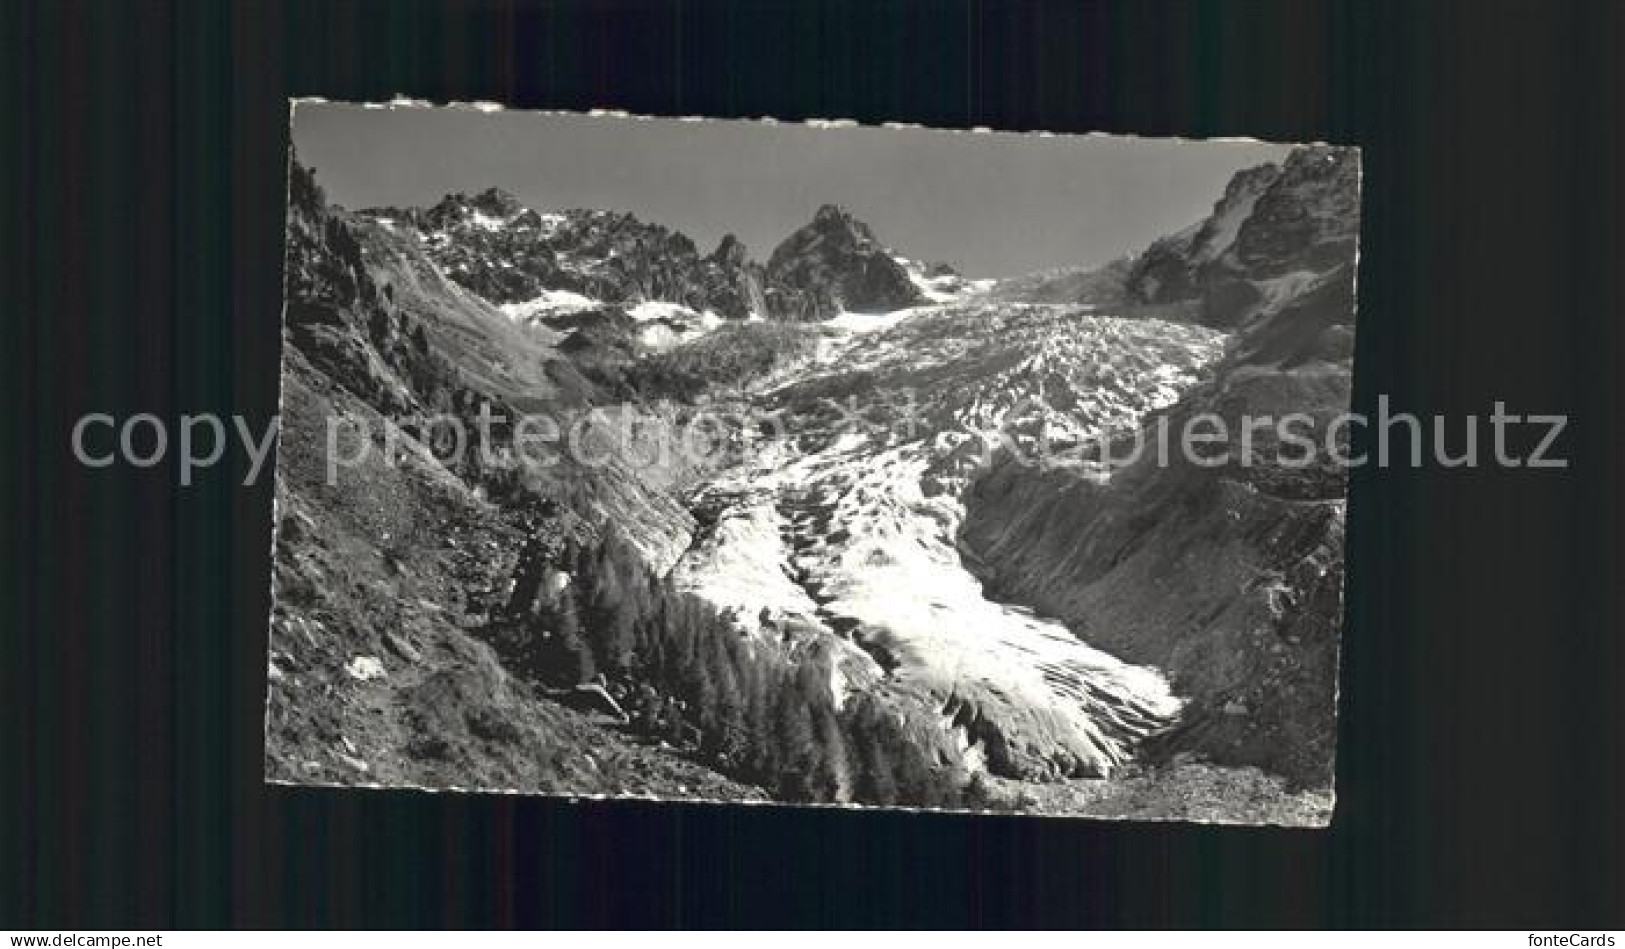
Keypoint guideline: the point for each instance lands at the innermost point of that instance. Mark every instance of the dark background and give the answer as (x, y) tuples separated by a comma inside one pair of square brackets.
[(1480, 764)]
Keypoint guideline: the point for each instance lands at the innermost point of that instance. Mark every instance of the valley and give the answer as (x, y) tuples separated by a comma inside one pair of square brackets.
[(903, 573)]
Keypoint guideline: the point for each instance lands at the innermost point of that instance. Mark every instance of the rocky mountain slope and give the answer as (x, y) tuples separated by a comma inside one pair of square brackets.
[(387, 568), (1227, 577), (1273, 230), (531, 263), (834, 265), (902, 569)]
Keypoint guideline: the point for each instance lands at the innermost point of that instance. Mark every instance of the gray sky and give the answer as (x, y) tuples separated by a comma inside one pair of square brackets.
[(993, 205)]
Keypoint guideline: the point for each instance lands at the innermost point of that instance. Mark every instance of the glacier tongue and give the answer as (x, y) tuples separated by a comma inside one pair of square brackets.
[(851, 529)]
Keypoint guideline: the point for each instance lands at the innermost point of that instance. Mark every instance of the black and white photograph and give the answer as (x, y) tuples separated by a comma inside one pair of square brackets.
[(812, 463)]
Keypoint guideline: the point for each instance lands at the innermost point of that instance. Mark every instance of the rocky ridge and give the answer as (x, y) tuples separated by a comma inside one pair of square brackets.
[(525, 261), (1273, 228)]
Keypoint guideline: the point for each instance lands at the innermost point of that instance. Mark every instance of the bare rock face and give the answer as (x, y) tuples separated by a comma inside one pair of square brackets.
[(1273, 228), (1309, 217), (834, 265), (733, 281), (1177, 267)]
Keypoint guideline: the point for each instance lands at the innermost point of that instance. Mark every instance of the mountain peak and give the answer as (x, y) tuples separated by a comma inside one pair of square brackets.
[(836, 264), (492, 203), (497, 202), (1254, 179), (730, 250), (1322, 159), (831, 212), (835, 218), (1299, 216)]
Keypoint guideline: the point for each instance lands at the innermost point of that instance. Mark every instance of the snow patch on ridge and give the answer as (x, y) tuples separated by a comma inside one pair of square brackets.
[(660, 309), (488, 222), (547, 303), (667, 324), (869, 322)]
